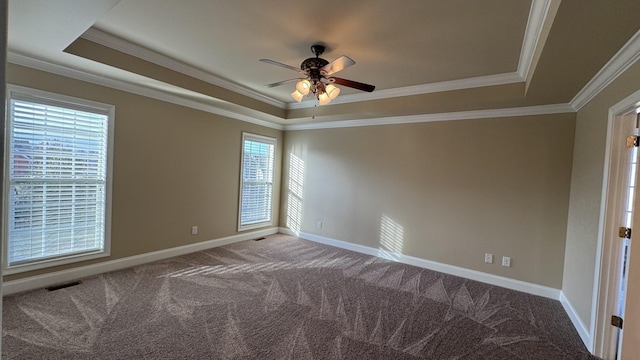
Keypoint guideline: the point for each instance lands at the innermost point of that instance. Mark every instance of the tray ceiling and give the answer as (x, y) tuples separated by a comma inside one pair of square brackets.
[(209, 51)]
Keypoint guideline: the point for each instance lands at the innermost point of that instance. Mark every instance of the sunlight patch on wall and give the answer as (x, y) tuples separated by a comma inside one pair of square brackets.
[(391, 239), (294, 198)]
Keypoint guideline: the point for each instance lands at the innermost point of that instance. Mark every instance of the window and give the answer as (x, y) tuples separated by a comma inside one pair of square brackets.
[(256, 187), (58, 179)]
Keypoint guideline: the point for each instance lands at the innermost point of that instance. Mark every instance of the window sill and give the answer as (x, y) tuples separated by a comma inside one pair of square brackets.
[(255, 226), (20, 268)]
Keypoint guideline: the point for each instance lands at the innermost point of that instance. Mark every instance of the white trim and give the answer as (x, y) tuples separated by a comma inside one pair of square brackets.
[(624, 58), (582, 330), (491, 279), (469, 83), (535, 23), (80, 104), (39, 281), (597, 334), (618, 64), (287, 231), (140, 52), (626, 105), (38, 64), (451, 116), (23, 60), (247, 136), (601, 303), (124, 46)]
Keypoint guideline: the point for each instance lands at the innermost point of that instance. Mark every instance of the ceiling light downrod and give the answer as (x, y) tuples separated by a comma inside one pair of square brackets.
[(314, 83)]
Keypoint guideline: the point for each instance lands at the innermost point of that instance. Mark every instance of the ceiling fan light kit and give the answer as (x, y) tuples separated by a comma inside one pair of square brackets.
[(297, 96), (332, 91), (318, 80), (323, 99), (303, 86)]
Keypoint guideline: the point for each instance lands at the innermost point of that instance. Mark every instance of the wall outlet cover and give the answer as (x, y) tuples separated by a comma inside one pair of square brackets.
[(506, 261)]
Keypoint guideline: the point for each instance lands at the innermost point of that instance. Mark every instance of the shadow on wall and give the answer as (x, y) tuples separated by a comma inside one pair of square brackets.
[(296, 190), (391, 239)]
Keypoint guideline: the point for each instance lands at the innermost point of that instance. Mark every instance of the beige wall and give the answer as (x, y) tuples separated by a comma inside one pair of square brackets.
[(445, 191), (173, 167), (586, 192), (454, 189)]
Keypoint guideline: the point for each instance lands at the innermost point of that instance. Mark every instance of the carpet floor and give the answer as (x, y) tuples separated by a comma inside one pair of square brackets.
[(284, 298)]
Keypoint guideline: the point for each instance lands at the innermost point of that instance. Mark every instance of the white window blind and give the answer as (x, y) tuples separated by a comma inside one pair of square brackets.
[(256, 195), (57, 179)]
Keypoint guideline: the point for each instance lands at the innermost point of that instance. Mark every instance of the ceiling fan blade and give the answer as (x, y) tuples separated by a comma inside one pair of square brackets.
[(281, 83), (353, 84), (273, 62), (337, 65)]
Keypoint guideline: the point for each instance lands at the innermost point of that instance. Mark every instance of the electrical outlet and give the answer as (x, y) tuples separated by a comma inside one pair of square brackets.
[(194, 230), (488, 258), (506, 261), (319, 224)]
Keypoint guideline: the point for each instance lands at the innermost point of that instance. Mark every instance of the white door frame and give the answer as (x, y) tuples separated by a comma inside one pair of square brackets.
[(606, 276)]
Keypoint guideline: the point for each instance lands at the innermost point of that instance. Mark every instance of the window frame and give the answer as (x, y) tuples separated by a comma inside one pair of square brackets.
[(44, 97), (246, 136)]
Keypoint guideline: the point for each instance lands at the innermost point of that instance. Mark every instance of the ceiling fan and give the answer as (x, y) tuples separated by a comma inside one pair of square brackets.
[(317, 78)]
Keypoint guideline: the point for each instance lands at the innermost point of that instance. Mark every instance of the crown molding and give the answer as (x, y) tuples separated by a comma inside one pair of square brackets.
[(461, 84), (537, 17), (116, 43), (38, 64), (162, 95), (450, 116), (620, 62), (628, 55), (535, 24)]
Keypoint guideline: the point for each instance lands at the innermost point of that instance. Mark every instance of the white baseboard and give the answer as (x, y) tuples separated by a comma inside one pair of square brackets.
[(585, 335), (501, 281), (40, 281)]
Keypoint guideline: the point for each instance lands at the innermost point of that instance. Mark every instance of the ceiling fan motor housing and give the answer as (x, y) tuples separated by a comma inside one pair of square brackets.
[(311, 67), (313, 64)]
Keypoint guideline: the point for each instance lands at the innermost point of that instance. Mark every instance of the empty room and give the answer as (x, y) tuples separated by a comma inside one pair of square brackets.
[(422, 179)]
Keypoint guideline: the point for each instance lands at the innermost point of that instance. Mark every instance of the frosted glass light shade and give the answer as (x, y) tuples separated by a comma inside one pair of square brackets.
[(303, 87), (297, 96), (332, 91), (324, 98)]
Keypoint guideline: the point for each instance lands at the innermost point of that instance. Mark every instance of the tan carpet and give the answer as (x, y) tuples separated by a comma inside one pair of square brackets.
[(284, 298)]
